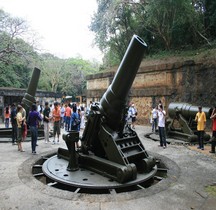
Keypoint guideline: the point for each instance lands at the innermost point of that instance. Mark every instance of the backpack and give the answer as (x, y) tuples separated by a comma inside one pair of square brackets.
[(77, 121)]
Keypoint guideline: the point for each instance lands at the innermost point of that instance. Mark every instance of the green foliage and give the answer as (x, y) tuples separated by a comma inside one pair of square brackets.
[(15, 53), (114, 24), (18, 58), (167, 26), (211, 190), (164, 25), (60, 75), (210, 17)]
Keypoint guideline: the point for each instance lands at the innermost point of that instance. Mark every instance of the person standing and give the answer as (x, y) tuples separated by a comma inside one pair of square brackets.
[(201, 122), (213, 140), (62, 115), (24, 125), (33, 119), (82, 116), (46, 120), (13, 123), (6, 117), (154, 119), (56, 115), (161, 126), (133, 114), (67, 117), (79, 119), (75, 122), (88, 108), (19, 119)]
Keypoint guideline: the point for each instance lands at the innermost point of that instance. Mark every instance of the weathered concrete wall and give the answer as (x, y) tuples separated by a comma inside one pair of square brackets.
[(186, 81)]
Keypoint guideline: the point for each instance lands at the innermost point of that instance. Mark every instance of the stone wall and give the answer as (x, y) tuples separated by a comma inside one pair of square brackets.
[(187, 81)]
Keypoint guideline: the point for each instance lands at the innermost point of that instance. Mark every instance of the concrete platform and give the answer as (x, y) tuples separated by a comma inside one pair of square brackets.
[(191, 172)]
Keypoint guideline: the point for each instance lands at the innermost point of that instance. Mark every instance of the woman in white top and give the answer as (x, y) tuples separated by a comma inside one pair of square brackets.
[(82, 116), (161, 126)]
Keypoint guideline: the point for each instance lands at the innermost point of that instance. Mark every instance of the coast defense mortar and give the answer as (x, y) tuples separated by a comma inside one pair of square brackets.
[(109, 147), (28, 100), (182, 121), (29, 97)]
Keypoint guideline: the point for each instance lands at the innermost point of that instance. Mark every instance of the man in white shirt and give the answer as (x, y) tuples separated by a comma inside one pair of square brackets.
[(161, 126), (154, 118)]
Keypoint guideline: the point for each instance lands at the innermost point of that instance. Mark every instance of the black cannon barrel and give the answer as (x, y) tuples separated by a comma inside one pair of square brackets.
[(29, 97), (187, 110), (114, 99)]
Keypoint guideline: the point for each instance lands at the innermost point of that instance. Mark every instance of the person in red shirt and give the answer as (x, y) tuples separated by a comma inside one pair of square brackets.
[(7, 116), (68, 113), (56, 114), (213, 140)]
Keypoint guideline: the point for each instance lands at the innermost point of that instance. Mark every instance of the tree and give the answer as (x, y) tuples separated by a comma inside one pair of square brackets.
[(15, 53), (75, 69), (11, 30), (52, 71), (65, 75), (114, 24), (210, 17), (164, 24), (18, 58)]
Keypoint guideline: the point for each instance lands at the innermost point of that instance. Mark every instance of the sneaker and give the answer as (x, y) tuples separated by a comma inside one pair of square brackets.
[(53, 142), (164, 147), (45, 142), (22, 150), (34, 153), (202, 148)]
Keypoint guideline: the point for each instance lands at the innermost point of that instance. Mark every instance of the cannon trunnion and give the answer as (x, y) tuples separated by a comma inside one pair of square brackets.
[(109, 146), (182, 123)]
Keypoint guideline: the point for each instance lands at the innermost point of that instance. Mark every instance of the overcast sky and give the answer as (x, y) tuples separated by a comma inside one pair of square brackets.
[(62, 24)]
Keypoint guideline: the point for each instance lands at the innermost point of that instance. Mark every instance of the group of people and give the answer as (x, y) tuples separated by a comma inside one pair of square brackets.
[(67, 116), (57, 116), (72, 117), (158, 119), (18, 122)]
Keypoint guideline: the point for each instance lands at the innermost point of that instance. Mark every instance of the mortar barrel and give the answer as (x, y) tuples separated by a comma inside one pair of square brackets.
[(114, 99), (29, 97)]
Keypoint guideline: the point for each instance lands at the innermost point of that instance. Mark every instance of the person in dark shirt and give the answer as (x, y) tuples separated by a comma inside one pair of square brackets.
[(33, 119), (46, 119), (75, 122)]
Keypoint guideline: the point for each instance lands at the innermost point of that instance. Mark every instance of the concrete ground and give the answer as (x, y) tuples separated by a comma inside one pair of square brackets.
[(190, 173)]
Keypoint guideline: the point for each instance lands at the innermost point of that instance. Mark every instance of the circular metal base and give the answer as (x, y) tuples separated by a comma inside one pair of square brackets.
[(56, 171)]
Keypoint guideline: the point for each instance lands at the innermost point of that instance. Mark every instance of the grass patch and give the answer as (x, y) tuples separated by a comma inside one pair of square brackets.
[(211, 190)]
